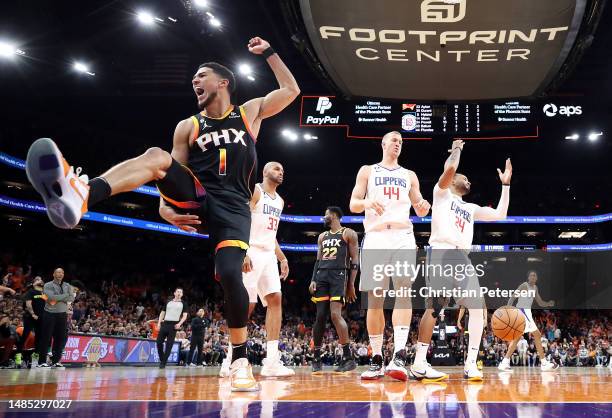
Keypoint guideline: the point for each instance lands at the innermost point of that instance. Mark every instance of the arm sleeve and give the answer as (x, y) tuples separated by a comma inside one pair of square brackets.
[(497, 214)]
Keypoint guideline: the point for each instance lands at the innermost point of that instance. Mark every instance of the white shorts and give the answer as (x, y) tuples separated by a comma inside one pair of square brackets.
[(530, 325), (264, 279), (387, 246)]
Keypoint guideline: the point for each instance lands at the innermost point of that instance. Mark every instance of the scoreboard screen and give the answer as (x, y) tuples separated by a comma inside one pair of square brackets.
[(371, 118)]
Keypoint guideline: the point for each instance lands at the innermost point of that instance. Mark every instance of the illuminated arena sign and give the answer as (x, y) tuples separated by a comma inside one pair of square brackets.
[(442, 49)]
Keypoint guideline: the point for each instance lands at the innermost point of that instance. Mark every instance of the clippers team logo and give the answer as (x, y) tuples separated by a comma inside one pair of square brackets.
[(323, 104), (409, 122), (442, 11)]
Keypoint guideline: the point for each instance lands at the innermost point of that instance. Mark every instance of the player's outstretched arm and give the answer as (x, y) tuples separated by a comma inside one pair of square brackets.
[(451, 164), (420, 205), (501, 211), (275, 101)]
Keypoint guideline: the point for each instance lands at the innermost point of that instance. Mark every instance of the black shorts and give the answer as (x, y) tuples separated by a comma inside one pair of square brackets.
[(225, 216), (331, 285)]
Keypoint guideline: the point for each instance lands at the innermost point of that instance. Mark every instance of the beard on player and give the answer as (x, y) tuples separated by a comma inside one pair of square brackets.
[(461, 184), (327, 222), (210, 97)]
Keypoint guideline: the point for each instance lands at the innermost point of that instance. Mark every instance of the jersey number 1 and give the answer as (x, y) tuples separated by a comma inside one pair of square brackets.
[(222, 161)]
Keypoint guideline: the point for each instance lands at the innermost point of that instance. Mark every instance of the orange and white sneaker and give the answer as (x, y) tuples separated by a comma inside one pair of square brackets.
[(242, 377), (64, 191)]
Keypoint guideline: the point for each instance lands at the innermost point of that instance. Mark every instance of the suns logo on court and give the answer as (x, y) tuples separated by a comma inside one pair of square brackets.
[(442, 11)]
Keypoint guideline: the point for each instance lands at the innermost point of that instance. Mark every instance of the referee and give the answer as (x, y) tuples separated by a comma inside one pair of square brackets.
[(170, 320), (54, 321)]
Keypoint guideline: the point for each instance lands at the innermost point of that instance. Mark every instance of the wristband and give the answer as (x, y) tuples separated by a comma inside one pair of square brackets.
[(506, 184), (268, 52), (457, 148)]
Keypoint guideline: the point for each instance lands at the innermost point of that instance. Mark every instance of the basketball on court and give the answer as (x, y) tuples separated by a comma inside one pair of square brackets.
[(508, 323)]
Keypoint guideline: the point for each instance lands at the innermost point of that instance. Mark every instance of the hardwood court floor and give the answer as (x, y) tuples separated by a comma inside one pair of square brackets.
[(524, 385)]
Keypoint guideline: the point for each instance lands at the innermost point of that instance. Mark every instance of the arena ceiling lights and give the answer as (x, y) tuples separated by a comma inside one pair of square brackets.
[(443, 49)]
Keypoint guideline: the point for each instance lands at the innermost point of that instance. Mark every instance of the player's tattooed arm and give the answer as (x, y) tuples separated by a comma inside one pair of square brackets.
[(451, 164), (420, 205)]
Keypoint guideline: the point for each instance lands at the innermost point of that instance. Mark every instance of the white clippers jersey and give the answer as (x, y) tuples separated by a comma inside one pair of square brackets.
[(452, 220), (389, 188), (525, 302), (265, 217)]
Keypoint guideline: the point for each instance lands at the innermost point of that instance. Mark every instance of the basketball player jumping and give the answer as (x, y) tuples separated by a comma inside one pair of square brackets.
[(209, 172), (524, 304), (452, 229), (337, 253), (260, 267), (385, 191)]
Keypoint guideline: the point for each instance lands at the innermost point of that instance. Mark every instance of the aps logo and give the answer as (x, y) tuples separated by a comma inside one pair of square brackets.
[(551, 110)]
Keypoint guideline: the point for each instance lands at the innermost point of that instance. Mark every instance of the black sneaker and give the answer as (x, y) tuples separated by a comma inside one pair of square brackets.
[(376, 370), (346, 365), (317, 366), (162, 366)]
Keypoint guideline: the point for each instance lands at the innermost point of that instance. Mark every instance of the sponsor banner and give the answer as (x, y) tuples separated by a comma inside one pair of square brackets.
[(441, 49), (160, 227), (81, 348)]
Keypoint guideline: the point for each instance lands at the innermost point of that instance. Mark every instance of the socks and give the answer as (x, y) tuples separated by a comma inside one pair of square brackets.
[(239, 351), (272, 349), (229, 351), (99, 189), (400, 337), (475, 328), (346, 350), (421, 353), (376, 341)]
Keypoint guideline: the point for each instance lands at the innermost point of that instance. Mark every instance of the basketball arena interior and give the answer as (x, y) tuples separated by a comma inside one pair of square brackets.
[(369, 118)]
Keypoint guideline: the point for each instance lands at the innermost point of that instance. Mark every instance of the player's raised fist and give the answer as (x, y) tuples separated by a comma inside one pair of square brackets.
[(257, 45), (457, 143)]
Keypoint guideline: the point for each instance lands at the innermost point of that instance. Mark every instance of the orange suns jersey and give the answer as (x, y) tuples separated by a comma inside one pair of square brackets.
[(222, 152)]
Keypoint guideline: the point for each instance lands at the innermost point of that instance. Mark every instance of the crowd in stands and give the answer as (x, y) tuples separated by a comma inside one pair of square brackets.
[(570, 338)]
